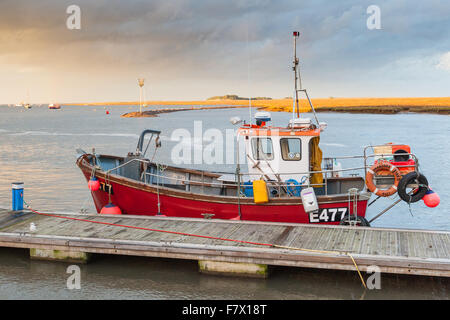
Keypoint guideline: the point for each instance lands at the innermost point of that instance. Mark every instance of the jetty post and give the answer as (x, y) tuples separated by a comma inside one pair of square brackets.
[(17, 196)]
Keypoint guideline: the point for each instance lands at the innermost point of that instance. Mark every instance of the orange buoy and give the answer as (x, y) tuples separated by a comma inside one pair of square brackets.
[(94, 184), (383, 166), (111, 209)]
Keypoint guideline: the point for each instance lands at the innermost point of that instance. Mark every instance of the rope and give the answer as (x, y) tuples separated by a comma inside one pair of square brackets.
[(325, 251), (83, 210), (148, 144), (357, 269), (203, 236), (108, 183)]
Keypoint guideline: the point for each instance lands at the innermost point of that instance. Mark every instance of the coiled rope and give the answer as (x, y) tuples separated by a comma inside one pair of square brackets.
[(203, 236)]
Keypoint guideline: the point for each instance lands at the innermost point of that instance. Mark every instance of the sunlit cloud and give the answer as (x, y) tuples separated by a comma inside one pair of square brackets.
[(444, 62), (194, 49)]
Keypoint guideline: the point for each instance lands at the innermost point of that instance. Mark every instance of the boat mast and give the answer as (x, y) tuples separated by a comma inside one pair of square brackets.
[(298, 82), (248, 81)]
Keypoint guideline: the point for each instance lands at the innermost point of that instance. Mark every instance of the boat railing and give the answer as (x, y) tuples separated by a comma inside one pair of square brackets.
[(239, 178), (274, 183), (389, 155)]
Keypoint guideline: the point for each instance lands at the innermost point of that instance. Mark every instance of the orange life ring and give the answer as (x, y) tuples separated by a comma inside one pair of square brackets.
[(383, 166)]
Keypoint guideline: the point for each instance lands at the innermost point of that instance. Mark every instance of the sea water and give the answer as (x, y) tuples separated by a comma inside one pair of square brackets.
[(37, 147)]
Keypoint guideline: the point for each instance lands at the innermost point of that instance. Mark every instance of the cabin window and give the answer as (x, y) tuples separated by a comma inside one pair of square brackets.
[(262, 148), (291, 149)]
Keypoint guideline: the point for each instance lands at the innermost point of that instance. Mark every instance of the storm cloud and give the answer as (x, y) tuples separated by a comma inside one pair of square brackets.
[(190, 49)]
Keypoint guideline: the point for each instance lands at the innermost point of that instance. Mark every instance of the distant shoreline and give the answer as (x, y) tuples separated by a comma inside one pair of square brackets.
[(445, 110), (440, 105), (155, 112)]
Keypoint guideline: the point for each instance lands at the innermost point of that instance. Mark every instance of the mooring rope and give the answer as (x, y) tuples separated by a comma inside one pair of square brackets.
[(205, 237)]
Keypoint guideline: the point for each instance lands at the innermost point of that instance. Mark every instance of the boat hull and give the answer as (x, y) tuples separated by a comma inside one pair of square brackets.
[(136, 198)]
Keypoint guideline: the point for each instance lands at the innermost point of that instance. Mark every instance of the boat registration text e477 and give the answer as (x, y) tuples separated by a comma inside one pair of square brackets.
[(327, 215)]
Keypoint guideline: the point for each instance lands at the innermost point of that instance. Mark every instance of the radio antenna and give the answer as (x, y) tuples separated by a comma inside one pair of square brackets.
[(296, 34), (248, 79)]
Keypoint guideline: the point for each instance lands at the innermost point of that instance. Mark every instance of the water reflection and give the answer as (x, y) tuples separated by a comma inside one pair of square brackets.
[(148, 278)]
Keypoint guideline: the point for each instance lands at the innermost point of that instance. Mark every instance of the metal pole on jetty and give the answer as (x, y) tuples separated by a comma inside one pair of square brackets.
[(17, 196), (141, 84)]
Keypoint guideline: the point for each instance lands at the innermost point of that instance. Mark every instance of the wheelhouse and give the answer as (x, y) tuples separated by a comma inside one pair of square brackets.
[(282, 153)]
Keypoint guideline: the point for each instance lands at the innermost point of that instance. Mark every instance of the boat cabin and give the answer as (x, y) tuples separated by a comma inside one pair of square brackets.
[(282, 153)]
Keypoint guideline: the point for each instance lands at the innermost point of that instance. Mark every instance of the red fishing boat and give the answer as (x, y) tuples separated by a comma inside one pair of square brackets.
[(286, 179)]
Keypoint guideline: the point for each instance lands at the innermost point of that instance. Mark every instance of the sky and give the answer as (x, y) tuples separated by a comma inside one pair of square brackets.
[(195, 49)]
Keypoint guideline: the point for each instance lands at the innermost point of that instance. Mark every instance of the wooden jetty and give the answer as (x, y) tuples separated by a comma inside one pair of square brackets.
[(400, 251)]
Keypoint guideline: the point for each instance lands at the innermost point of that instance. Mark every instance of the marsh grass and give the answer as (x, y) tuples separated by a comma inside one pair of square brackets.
[(360, 105)]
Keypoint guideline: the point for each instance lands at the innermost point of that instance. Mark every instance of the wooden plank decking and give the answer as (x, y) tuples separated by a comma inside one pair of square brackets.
[(402, 251)]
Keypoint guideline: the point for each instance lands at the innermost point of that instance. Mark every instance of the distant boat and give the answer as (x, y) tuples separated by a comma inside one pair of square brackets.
[(27, 105), (54, 106), (18, 105)]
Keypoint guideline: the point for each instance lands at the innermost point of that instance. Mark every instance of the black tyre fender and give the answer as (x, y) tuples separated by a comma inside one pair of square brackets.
[(401, 155), (360, 221), (412, 177)]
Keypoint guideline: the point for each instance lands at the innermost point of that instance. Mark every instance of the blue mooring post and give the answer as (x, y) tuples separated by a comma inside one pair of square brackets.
[(17, 196)]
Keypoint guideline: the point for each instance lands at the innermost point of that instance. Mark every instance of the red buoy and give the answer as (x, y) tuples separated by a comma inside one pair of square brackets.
[(431, 199), (111, 209), (94, 184), (107, 112)]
